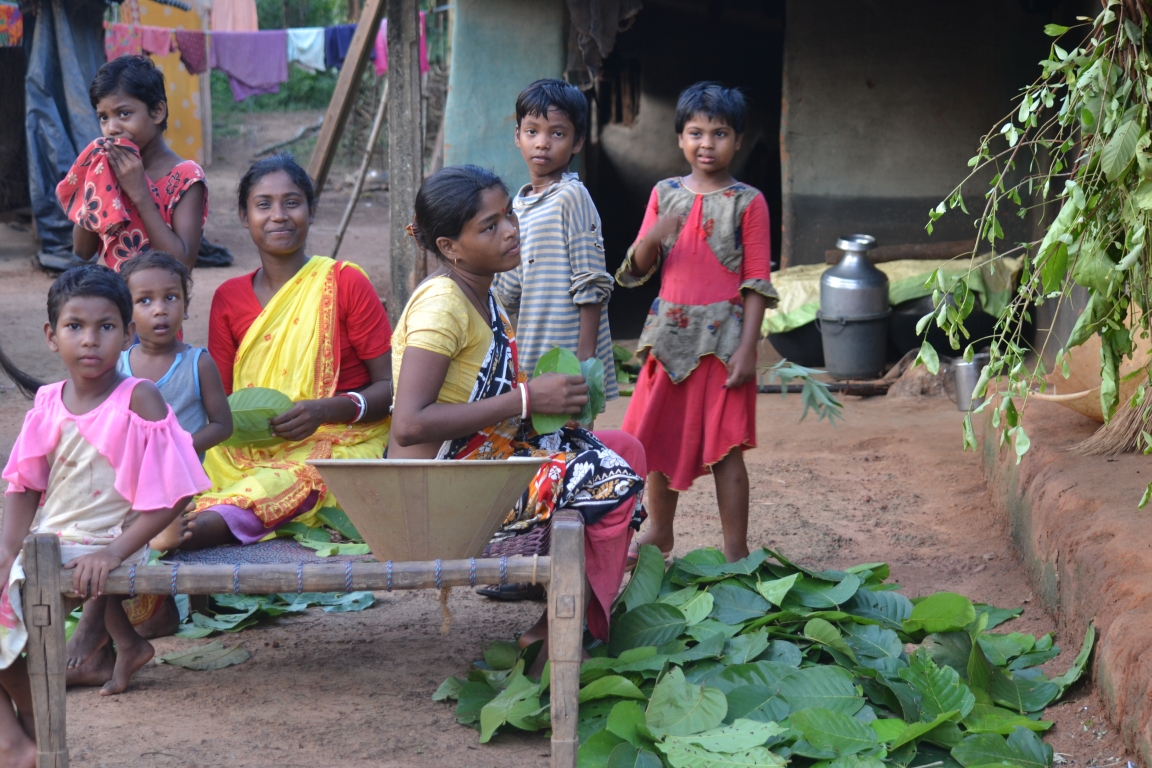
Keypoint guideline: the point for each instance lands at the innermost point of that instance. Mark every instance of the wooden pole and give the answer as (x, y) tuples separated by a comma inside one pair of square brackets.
[(318, 577), (566, 633), (344, 97), (363, 172), (47, 657), (405, 148)]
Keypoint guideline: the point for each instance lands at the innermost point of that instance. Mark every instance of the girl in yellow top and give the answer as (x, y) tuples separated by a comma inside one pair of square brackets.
[(461, 395)]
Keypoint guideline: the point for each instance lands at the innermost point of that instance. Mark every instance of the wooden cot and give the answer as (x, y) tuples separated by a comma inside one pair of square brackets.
[(48, 585)]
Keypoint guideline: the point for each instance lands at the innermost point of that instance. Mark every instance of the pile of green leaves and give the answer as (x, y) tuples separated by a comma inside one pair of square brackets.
[(337, 535), (560, 360), (627, 369), (252, 409), (763, 662), (232, 613), (1076, 156)]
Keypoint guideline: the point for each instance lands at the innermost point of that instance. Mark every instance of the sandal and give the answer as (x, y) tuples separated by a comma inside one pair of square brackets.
[(509, 593)]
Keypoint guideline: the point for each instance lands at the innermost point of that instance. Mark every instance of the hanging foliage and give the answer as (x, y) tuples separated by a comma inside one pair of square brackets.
[(1076, 153)]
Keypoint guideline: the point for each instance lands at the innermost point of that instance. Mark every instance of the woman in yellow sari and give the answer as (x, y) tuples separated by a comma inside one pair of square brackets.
[(310, 327)]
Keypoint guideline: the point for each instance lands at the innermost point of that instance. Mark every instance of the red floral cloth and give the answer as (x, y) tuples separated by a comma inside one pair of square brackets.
[(91, 198), (121, 40)]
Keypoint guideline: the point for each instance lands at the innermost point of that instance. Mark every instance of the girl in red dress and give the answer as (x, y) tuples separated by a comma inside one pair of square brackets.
[(128, 192), (694, 407)]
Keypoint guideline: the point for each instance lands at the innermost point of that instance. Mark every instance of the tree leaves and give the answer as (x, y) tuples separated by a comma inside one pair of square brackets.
[(733, 604), (649, 624), (1023, 749), (823, 687), (941, 612), (592, 370), (555, 360), (1121, 148), (835, 731), (644, 586), (252, 407), (940, 688), (680, 708), (206, 657)]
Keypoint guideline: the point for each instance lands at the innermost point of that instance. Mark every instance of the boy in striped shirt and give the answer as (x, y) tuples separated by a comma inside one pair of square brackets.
[(561, 288)]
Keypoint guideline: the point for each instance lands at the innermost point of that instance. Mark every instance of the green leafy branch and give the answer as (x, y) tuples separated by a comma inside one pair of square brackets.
[(814, 395), (1077, 145)]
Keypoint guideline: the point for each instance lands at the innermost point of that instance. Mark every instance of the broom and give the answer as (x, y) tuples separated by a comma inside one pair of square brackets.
[(1120, 434)]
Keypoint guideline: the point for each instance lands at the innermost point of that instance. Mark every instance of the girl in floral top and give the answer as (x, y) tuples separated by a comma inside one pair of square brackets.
[(128, 192), (694, 406)]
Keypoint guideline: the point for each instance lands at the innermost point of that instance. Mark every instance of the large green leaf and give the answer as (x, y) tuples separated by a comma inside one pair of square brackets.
[(1077, 669), (336, 518), (941, 612), (783, 652), (744, 648), (472, 698), (940, 688), (612, 685), (740, 735), (595, 751), (680, 708), (888, 608), (628, 756), (814, 593), (756, 702), (252, 407), (824, 687), (766, 673), (888, 729), (502, 655), (915, 731), (1023, 749), (714, 571), (987, 718), (1022, 694), (733, 603), (644, 586), (206, 657), (823, 632), (997, 616), (449, 690), (592, 370), (1121, 148), (680, 755), (625, 721), (515, 705), (649, 624), (873, 642), (857, 761), (833, 731), (774, 591), (555, 360)]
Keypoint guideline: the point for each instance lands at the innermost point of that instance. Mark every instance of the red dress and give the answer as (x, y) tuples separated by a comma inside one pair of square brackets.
[(680, 410), (368, 335)]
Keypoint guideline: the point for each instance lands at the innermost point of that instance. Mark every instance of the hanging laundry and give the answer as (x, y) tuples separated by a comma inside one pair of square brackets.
[(337, 41), (11, 25), (234, 16), (306, 47), (255, 62), (121, 40), (157, 40), (381, 47), (193, 51)]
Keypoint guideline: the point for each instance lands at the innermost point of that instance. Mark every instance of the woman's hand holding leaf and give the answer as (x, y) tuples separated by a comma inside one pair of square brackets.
[(558, 393)]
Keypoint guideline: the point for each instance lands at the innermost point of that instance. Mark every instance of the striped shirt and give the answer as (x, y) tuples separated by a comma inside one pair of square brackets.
[(561, 267)]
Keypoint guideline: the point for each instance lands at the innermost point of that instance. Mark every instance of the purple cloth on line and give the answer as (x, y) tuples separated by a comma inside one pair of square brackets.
[(255, 62), (249, 529)]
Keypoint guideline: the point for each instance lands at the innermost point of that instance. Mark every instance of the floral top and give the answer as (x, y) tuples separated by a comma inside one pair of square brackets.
[(724, 249), (91, 198)]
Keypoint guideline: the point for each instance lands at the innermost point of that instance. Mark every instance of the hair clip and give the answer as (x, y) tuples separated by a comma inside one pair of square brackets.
[(411, 230)]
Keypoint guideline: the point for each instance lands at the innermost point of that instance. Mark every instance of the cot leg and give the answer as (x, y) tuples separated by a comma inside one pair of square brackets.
[(47, 657), (566, 633)]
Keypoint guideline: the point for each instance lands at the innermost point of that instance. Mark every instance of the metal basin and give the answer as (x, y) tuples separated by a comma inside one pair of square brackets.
[(414, 509)]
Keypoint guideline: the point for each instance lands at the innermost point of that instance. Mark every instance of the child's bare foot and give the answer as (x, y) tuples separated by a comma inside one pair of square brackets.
[(96, 670), (129, 658), (178, 532), (164, 623), (17, 751), (90, 636)]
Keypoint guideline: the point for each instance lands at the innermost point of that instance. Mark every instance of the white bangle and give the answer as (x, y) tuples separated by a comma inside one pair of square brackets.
[(524, 402), (362, 404)]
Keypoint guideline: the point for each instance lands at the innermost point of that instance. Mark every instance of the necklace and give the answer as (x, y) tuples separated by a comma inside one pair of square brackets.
[(479, 304)]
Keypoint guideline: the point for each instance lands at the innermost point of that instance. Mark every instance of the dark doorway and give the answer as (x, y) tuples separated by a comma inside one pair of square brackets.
[(672, 44)]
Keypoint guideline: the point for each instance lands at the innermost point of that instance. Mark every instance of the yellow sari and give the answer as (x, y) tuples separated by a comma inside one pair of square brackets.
[(291, 347)]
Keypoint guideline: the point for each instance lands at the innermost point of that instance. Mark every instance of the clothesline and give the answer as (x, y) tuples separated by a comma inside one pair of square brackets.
[(255, 62)]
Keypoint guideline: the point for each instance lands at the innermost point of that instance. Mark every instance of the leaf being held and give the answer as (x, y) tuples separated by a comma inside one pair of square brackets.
[(252, 408), (555, 360)]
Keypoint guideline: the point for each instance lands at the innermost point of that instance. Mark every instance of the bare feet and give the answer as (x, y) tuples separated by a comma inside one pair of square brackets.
[(178, 532), (128, 659), (90, 635), (18, 751), (164, 623), (96, 670)]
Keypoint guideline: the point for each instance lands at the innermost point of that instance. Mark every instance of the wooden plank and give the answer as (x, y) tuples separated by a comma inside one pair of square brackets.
[(405, 148), (566, 633), (344, 97), (320, 577), (919, 251), (46, 648)]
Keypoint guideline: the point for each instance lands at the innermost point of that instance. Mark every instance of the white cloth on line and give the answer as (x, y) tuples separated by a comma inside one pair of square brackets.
[(306, 47)]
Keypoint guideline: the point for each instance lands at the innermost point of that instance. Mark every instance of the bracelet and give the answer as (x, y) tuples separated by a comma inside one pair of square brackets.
[(524, 402), (361, 404)]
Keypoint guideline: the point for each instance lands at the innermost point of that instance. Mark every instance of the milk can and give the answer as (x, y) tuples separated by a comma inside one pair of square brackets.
[(854, 311)]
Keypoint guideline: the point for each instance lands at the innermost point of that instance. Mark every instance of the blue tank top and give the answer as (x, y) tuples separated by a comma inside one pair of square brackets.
[(180, 387)]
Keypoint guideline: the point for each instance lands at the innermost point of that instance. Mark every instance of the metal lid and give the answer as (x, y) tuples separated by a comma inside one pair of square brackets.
[(857, 243)]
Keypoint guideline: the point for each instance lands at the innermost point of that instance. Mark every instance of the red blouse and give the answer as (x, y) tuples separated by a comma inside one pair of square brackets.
[(362, 326)]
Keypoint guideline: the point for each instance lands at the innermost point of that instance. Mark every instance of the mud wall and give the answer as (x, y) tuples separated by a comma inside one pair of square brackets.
[(1088, 552)]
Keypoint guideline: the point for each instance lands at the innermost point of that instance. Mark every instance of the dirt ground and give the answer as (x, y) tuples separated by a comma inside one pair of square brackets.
[(889, 484)]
